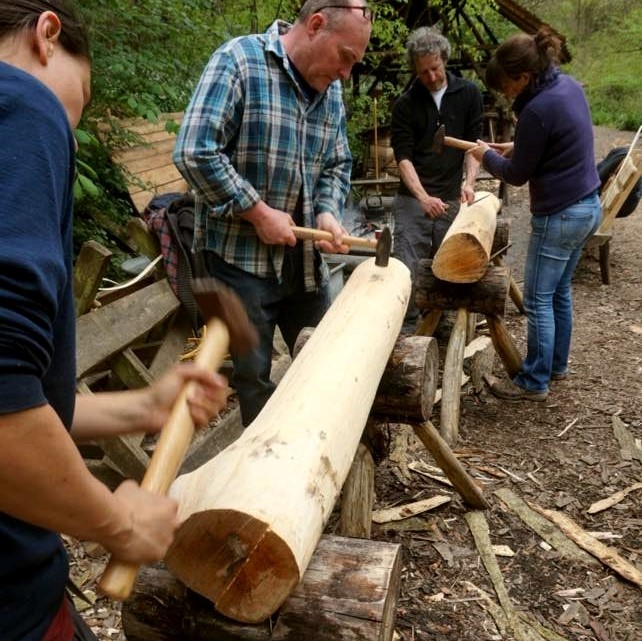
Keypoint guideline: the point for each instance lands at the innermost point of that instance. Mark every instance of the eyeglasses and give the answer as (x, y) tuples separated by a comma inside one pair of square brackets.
[(367, 12)]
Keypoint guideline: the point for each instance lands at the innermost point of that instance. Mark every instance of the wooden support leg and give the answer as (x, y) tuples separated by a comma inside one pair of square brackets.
[(514, 291), (605, 266), (504, 345), (357, 496), (429, 323), (453, 469), (451, 380)]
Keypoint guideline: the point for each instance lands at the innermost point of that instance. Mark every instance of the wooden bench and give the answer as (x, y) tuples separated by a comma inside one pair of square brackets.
[(613, 196)]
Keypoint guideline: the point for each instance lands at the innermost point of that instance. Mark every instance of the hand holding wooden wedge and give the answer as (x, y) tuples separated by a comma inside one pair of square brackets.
[(228, 328)]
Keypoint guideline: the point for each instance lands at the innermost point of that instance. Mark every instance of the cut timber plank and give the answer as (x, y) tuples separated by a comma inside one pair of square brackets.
[(348, 593), (110, 329)]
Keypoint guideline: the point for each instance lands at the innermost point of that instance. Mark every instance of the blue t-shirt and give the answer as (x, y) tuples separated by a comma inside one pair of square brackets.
[(37, 324)]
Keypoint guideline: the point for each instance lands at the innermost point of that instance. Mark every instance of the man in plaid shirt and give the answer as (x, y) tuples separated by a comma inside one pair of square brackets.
[(263, 146)]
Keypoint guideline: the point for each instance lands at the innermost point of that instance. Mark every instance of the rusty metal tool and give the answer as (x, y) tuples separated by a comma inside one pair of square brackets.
[(382, 245), (228, 328), (441, 140)]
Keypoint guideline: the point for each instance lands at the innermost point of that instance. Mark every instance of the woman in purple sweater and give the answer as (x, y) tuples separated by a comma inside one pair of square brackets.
[(553, 152)]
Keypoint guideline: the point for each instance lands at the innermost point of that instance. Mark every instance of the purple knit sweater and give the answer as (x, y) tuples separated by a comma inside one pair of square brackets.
[(553, 145)]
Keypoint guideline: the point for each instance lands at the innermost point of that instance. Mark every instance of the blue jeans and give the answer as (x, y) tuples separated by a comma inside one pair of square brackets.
[(268, 304), (554, 249)]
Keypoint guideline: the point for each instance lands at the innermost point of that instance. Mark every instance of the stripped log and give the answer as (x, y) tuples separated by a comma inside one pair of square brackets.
[(409, 382), (486, 296), (252, 516), (348, 592), (451, 379), (465, 252)]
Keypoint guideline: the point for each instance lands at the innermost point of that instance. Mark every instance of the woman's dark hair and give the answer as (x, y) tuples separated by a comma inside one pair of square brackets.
[(522, 53), (18, 15)]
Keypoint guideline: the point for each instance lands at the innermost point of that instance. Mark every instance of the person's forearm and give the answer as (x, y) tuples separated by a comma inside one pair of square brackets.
[(109, 414), (411, 180), (44, 481), (471, 165)]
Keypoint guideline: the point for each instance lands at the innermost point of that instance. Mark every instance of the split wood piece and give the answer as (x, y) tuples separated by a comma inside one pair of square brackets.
[(544, 528), (629, 449), (481, 534), (111, 328), (357, 496), (256, 511), (407, 510), (465, 251), (470, 492), (504, 345), (604, 553), (514, 291), (451, 379), (486, 296), (614, 499), (349, 591), (409, 382), (479, 358), (89, 269)]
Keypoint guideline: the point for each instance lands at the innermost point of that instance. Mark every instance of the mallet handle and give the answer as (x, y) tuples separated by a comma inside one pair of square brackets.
[(307, 233), (457, 143), (118, 578)]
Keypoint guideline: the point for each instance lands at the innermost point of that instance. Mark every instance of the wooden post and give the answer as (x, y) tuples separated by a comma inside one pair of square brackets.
[(504, 345), (357, 496), (451, 379), (448, 462), (252, 516), (464, 253)]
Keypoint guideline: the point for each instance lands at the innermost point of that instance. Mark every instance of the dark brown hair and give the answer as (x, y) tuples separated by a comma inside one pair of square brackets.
[(523, 53), (18, 15)]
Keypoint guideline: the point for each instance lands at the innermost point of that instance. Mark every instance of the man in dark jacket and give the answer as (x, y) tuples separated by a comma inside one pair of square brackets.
[(432, 183)]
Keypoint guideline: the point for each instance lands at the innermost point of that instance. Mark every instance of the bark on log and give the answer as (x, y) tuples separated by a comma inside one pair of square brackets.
[(252, 516), (501, 238), (486, 296), (409, 382), (348, 593), (464, 253)]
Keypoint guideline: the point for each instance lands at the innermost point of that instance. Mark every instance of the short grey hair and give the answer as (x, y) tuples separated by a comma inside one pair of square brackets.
[(426, 41), (334, 15)]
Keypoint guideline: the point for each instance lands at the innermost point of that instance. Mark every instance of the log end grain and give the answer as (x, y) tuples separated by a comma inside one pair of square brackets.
[(236, 562)]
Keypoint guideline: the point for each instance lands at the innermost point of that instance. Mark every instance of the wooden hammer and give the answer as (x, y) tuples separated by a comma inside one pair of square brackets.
[(228, 328), (441, 140)]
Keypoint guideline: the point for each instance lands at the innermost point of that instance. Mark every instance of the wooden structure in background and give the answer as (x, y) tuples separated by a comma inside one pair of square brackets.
[(613, 196)]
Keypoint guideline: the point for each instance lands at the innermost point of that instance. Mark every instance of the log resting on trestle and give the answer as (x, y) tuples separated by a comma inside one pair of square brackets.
[(253, 515)]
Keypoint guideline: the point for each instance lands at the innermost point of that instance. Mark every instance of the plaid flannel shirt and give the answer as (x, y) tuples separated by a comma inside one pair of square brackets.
[(250, 134)]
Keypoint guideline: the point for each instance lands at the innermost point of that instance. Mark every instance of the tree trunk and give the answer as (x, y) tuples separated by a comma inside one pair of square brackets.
[(486, 296), (464, 254), (252, 516), (357, 582)]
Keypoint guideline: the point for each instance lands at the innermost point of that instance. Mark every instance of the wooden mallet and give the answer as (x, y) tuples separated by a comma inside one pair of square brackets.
[(228, 329)]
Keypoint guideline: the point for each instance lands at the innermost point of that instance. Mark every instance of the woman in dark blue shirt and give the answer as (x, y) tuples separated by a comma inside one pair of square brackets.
[(552, 151), (45, 488)]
